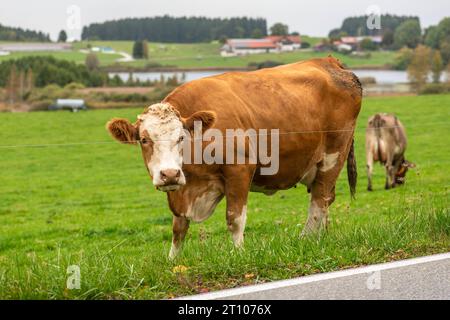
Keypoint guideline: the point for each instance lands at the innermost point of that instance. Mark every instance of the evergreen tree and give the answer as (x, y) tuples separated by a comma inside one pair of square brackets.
[(171, 29), (145, 54), (62, 37), (18, 34), (139, 50)]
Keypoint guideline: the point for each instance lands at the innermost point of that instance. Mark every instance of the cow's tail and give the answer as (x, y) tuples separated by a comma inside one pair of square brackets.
[(352, 173)]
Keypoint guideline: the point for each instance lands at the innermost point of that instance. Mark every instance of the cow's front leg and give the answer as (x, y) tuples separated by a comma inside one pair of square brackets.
[(237, 186), (180, 226), (389, 177), (369, 171), (236, 219), (389, 172)]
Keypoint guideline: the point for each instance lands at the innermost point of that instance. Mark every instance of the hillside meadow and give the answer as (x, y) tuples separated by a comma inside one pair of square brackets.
[(201, 55), (69, 195), (207, 55)]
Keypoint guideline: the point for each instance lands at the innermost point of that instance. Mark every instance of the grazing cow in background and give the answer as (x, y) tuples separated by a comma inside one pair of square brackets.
[(386, 143), (313, 105)]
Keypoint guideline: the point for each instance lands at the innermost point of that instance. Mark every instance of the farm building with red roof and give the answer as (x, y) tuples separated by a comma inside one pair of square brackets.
[(237, 47)]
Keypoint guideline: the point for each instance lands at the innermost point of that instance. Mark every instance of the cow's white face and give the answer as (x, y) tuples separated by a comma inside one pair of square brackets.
[(161, 136), (160, 131)]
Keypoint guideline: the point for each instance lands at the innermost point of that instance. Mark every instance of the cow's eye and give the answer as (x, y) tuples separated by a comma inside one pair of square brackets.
[(144, 141), (181, 139)]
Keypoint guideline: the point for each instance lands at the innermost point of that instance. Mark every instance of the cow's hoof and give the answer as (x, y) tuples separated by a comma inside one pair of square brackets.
[(307, 233), (369, 188), (171, 257)]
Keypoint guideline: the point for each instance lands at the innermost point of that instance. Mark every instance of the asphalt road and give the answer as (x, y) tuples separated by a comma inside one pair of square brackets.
[(418, 278)]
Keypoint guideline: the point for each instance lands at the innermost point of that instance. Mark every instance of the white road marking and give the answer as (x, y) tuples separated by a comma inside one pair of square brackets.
[(315, 278)]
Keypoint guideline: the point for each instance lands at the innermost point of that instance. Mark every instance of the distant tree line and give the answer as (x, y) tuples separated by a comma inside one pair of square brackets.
[(357, 26), (430, 56), (396, 31), (41, 71), (176, 29), (19, 34)]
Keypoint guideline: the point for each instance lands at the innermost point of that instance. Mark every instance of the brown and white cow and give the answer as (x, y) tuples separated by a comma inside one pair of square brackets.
[(314, 105), (386, 142)]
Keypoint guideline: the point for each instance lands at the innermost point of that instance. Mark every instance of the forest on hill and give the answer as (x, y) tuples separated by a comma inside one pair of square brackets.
[(357, 26), (176, 29), (19, 34)]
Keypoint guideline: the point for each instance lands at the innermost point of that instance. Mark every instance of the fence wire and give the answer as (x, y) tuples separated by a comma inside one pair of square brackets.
[(78, 143)]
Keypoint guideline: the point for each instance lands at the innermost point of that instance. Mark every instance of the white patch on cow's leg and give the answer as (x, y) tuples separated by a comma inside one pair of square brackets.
[(174, 250), (317, 217), (237, 227), (180, 226), (329, 161)]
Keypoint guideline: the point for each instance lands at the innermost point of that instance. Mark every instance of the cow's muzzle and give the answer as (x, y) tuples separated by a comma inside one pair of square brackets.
[(170, 180)]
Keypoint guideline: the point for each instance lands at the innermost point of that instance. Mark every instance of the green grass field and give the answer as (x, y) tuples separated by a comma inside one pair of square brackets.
[(202, 55), (93, 205)]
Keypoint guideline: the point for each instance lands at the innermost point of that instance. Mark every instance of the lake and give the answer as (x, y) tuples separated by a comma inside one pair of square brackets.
[(381, 76)]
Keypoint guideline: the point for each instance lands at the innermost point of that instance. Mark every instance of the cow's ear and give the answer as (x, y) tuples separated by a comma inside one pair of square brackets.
[(207, 118), (123, 131), (408, 164)]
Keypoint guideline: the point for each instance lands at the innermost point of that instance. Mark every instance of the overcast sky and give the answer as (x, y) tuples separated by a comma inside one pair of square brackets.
[(314, 17)]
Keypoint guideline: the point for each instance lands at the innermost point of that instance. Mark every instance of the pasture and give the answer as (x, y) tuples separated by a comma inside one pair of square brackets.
[(69, 195), (202, 55)]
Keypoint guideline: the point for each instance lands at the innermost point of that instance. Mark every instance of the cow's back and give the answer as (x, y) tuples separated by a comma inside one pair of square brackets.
[(309, 94)]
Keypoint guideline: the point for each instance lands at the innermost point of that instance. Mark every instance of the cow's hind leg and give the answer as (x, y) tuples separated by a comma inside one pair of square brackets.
[(323, 189), (322, 196), (180, 226)]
